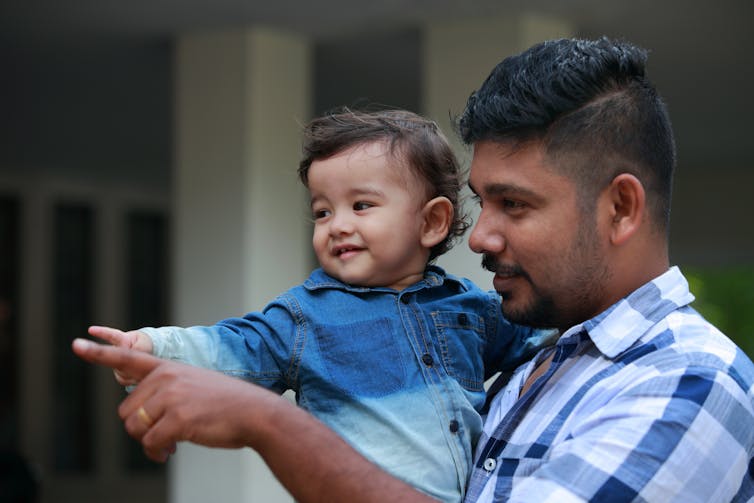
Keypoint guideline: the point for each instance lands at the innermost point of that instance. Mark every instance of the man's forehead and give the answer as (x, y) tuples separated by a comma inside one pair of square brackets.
[(491, 157), (497, 168), (505, 149)]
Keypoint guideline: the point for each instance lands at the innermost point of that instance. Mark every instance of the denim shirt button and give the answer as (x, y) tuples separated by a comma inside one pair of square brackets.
[(490, 464), (405, 299), (463, 319), (427, 359), (453, 426)]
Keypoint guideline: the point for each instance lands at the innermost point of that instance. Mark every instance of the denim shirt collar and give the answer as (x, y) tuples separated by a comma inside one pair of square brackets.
[(433, 276), (621, 325)]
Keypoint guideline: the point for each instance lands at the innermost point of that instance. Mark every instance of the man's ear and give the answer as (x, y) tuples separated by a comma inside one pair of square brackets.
[(627, 207), (437, 215)]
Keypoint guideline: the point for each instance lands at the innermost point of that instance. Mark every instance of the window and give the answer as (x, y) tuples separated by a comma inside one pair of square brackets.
[(72, 388), (146, 293), (10, 264), (71, 256)]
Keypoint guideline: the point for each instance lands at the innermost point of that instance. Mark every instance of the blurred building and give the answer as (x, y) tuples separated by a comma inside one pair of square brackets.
[(147, 176)]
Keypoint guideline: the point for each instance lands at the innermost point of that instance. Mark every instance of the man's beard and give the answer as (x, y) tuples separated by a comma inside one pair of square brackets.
[(540, 312)]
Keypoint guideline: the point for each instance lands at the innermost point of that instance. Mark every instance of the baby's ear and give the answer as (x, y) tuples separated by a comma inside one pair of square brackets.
[(437, 215)]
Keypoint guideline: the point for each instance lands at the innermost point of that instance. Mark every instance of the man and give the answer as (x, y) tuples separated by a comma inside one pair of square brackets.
[(573, 162), (639, 400)]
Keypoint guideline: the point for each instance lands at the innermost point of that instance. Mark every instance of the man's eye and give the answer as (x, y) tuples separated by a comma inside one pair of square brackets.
[(361, 205), (510, 204), (317, 214)]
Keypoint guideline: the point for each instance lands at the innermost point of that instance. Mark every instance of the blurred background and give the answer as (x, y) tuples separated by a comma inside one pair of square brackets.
[(147, 177)]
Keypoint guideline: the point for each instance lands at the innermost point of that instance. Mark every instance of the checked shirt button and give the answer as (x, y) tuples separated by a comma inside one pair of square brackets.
[(490, 464)]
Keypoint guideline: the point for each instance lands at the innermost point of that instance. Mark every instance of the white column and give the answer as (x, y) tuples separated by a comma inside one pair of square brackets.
[(458, 56), (241, 234)]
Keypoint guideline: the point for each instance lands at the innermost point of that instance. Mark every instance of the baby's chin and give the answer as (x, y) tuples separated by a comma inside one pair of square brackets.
[(357, 280)]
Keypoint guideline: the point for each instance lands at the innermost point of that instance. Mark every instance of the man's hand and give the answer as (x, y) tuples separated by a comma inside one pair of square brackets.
[(175, 402)]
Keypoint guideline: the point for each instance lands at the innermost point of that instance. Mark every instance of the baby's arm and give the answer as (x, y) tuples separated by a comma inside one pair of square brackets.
[(256, 347), (134, 339), (220, 347)]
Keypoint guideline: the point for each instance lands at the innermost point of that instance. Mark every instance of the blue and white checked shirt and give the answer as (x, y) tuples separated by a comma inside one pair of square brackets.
[(645, 402)]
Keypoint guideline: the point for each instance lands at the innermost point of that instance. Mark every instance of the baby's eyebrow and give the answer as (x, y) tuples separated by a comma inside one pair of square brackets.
[(354, 192), (366, 191), (314, 199)]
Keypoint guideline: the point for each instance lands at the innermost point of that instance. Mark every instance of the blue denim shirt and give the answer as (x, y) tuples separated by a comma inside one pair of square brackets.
[(399, 375)]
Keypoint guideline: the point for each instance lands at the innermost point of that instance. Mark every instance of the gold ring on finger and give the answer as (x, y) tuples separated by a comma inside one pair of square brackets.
[(145, 417)]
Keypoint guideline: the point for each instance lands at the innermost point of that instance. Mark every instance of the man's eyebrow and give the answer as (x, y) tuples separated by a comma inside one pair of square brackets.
[(502, 189)]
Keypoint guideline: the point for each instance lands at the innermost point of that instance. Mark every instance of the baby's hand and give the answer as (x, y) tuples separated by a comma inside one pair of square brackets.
[(134, 339)]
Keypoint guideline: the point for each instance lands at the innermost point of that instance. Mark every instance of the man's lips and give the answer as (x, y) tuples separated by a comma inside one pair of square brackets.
[(504, 282), (505, 274)]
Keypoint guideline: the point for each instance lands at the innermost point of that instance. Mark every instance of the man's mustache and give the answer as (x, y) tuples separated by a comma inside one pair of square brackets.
[(492, 265)]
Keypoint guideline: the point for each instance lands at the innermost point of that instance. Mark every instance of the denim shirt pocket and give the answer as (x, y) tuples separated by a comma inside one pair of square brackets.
[(461, 336), (362, 359)]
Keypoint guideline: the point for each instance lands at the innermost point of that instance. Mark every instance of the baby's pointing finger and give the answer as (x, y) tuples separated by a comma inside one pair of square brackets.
[(134, 363)]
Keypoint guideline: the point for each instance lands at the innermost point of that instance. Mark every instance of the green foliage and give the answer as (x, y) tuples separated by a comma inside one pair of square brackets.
[(725, 297)]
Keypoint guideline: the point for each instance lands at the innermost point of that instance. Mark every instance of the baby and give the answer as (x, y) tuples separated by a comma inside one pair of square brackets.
[(385, 348)]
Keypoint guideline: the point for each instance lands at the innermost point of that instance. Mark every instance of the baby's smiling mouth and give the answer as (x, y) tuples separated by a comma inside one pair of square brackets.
[(341, 250)]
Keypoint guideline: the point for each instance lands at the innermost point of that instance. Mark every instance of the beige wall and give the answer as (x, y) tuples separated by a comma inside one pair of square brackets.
[(239, 211)]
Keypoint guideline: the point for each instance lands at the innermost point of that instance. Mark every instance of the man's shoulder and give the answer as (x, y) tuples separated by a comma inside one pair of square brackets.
[(684, 345), (703, 344)]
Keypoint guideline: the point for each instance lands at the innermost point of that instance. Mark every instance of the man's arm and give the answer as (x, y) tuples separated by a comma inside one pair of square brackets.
[(175, 402)]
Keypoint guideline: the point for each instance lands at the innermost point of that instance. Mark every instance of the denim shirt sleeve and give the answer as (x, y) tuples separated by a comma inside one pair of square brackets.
[(510, 344), (255, 347)]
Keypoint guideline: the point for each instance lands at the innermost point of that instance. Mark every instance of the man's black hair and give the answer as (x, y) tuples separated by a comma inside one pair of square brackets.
[(590, 105)]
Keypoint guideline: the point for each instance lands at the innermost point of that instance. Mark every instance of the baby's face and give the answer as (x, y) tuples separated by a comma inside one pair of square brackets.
[(367, 218)]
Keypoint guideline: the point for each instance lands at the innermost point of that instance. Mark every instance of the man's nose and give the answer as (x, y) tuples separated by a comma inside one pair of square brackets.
[(487, 235)]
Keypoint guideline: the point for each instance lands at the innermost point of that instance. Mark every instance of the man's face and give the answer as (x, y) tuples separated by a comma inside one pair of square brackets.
[(546, 253)]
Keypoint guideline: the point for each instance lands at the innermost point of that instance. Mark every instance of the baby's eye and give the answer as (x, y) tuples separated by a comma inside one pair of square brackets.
[(317, 214), (361, 205)]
